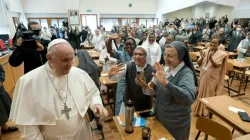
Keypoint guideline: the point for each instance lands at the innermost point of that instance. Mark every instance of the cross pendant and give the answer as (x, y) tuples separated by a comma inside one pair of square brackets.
[(66, 110)]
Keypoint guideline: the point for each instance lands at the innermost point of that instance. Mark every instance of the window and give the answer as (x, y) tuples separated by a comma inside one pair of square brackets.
[(108, 23), (131, 20), (60, 22), (47, 22), (90, 21), (44, 23), (156, 21), (142, 22), (124, 21), (54, 22), (150, 22)]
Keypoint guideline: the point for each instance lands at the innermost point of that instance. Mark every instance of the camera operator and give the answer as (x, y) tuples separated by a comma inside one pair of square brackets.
[(33, 56)]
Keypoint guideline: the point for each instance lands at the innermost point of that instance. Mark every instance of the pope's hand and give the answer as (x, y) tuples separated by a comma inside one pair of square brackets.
[(99, 109)]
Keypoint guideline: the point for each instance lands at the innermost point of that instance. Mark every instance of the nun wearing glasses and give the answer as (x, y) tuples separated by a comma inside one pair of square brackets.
[(174, 86)]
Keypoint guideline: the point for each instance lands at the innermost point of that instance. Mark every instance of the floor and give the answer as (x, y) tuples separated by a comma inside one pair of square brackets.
[(111, 132)]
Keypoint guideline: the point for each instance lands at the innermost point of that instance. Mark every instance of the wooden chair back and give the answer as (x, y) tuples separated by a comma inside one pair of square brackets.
[(229, 66), (248, 59), (193, 57), (213, 129), (201, 44)]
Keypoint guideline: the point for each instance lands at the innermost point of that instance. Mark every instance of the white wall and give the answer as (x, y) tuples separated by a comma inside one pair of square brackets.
[(119, 6), (4, 28), (105, 8), (242, 10), (184, 13), (201, 9), (167, 6), (16, 6), (42, 15), (225, 10), (44, 6), (97, 6), (6, 23)]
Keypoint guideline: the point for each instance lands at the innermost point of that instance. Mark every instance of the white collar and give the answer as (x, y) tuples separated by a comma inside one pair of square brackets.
[(175, 70), (141, 68), (51, 71)]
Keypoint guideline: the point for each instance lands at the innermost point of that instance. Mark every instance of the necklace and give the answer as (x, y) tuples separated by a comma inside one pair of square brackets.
[(65, 110)]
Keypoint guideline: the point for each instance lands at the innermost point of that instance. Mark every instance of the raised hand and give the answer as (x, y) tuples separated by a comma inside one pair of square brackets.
[(115, 69), (160, 75), (19, 41), (39, 46)]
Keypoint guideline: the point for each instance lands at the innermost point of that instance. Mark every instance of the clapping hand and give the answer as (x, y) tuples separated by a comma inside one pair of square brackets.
[(160, 74), (211, 57), (202, 54)]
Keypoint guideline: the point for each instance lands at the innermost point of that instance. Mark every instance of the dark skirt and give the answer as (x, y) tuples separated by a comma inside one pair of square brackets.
[(5, 105), (73, 44), (181, 133)]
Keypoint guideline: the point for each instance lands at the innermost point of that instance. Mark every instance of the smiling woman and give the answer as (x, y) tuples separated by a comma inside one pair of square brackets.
[(153, 49), (174, 87), (212, 63), (133, 90)]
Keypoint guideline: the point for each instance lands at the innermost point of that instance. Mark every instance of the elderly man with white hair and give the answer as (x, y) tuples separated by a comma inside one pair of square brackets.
[(97, 39), (51, 101)]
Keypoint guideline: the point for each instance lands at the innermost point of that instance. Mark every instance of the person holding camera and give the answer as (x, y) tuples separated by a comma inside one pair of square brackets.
[(32, 53)]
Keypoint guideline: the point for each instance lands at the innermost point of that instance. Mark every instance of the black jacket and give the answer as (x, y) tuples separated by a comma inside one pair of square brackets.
[(87, 64), (84, 35), (32, 58), (71, 35), (195, 37)]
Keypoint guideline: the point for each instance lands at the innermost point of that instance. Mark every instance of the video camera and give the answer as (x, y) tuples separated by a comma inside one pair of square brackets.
[(28, 37)]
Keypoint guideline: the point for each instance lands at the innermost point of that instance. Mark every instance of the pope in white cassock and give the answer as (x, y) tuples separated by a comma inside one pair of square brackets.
[(50, 102)]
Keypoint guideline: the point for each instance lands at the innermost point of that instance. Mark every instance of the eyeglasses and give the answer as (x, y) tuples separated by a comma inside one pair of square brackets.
[(129, 44), (214, 43), (140, 54)]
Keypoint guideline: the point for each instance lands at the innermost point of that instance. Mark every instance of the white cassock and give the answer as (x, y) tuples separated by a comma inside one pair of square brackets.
[(97, 41), (37, 107)]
